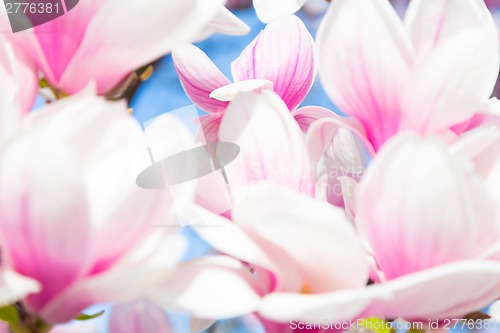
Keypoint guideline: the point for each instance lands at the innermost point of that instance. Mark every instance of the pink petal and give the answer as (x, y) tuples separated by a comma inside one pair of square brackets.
[(277, 215), (309, 114), (229, 92), (19, 86), (141, 316), (199, 76), (196, 284), (364, 62), (432, 23), (338, 306), (432, 294), (411, 228), (143, 269), (162, 26), (322, 133), (14, 287), (227, 23), (269, 10), (274, 266), (44, 213), (452, 83), (271, 143), (284, 54)]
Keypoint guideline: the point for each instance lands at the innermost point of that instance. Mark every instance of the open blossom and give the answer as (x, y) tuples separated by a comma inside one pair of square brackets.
[(278, 239), (280, 58), (435, 71), (72, 218), (103, 41)]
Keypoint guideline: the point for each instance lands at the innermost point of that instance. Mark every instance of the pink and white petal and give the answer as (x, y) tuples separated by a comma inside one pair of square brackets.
[(481, 146), (196, 284), (230, 239), (322, 133), (229, 92), (227, 23), (278, 215), (309, 114), (19, 82), (199, 76), (271, 143), (269, 10), (410, 227), (452, 96), (282, 53), (141, 316), (14, 287), (432, 294), (338, 306), (163, 25), (89, 326), (145, 267), (431, 23), (73, 118), (44, 213), (365, 58)]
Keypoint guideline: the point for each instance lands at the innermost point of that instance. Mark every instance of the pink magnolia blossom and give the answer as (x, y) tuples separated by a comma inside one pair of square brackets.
[(103, 41), (269, 10), (280, 58), (436, 70), (278, 240), (433, 228), (71, 215)]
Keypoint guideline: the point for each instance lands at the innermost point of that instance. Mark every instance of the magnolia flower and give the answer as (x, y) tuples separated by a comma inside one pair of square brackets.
[(278, 240), (103, 41), (71, 215), (435, 71), (280, 58), (433, 229)]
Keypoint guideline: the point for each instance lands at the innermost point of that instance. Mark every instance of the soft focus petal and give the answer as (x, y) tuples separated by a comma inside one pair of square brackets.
[(140, 316), (452, 83), (272, 147), (336, 306), (146, 266), (229, 92), (44, 213), (19, 84), (197, 284), (152, 27), (277, 215), (284, 54), (309, 114), (419, 207), (322, 133), (227, 23), (199, 76), (449, 291), (433, 22), (268, 10), (364, 62), (14, 287)]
